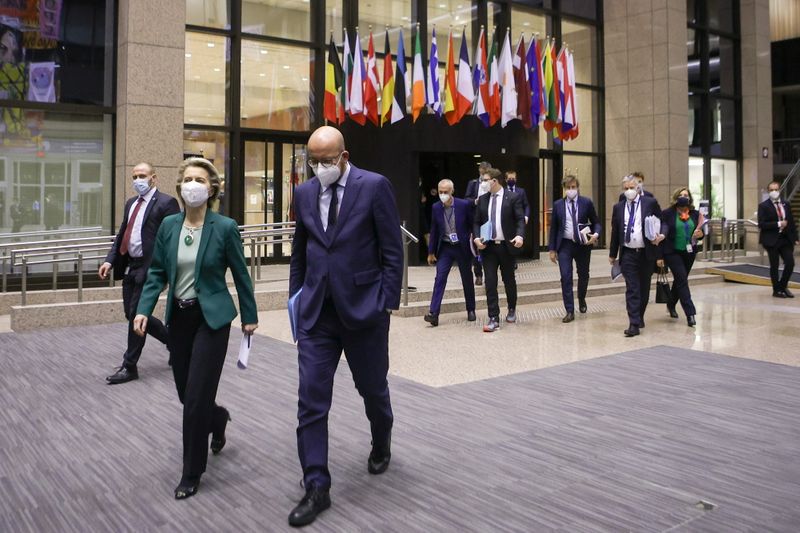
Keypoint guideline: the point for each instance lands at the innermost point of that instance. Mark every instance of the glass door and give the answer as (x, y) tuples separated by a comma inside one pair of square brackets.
[(259, 171)]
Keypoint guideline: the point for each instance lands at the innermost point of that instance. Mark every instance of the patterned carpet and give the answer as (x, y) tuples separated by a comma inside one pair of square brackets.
[(630, 442)]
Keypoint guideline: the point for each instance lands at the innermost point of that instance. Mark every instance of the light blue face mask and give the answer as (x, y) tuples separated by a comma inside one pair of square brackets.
[(141, 186)]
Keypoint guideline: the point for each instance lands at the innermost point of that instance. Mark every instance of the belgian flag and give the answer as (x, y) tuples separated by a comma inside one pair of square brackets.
[(333, 83)]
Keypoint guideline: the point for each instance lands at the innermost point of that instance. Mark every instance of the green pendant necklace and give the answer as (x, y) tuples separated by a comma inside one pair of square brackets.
[(189, 239)]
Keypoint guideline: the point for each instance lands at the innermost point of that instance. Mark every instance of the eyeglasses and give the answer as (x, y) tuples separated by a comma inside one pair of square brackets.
[(326, 163)]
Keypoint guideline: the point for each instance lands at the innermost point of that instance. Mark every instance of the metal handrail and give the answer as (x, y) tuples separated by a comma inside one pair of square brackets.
[(45, 233), (408, 238), (787, 181)]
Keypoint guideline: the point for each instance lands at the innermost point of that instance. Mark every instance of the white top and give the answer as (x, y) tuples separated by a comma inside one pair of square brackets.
[(637, 237), (498, 226), (568, 223), (325, 197), (135, 244)]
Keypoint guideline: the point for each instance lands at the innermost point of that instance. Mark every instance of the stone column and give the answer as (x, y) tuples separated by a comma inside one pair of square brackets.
[(756, 103), (647, 124), (150, 78)]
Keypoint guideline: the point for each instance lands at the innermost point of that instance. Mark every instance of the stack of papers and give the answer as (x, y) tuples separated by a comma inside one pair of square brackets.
[(244, 351), (652, 227), (616, 270), (584, 234)]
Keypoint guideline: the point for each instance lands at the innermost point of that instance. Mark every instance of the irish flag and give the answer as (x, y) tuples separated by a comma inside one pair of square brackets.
[(418, 81)]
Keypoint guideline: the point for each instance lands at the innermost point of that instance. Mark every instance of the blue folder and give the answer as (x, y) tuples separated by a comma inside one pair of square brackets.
[(293, 306), (486, 231)]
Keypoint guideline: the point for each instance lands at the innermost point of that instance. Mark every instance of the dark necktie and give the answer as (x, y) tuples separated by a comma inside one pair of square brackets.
[(126, 238), (631, 220), (575, 236), (492, 214), (332, 208)]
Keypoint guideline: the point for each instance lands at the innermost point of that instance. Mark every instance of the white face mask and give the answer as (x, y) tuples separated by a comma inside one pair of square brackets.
[(141, 186), (631, 194), (327, 176), (572, 193), (774, 195), (483, 188), (444, 198), (194, 194)]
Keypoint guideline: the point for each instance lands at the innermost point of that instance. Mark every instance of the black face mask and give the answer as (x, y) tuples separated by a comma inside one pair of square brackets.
[(511, 183), (682, 201)]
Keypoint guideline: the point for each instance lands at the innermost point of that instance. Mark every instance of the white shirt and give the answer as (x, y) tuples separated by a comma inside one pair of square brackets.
[(637, 238), (568, 223), (498, 226), (325, 197), (135, 244)]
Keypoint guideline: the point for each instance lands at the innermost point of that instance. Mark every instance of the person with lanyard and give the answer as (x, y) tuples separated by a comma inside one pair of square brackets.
[(778, 236), (193, 252), (504, 211), (475, 188), (574, 228), (637, 254), (681, 224), (451, 224)]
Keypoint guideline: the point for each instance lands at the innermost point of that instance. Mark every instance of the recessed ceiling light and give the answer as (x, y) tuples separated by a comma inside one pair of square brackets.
[(286, 67), (262, 51), (197, 77), (442, 6), (304, 79), (281, 86), (526, 23), (261, 74), (188, 55), (216, 70), (211, 45)]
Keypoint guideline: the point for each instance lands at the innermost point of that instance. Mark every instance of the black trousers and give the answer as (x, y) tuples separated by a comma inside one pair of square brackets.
[(495, 255), (680, 263), (638, 272), (198, 354), (132, 285), (568, 252), (782, 250), (477, 267)]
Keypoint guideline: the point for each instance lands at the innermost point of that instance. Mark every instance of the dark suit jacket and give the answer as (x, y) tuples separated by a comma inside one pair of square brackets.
[(161, 205), (361, 264), (512, 218), (462, 211), (768, 223), (220, 248), (668, 228), (586, 215), (649, 206), (646, 193), (526, 208), (472, 190)]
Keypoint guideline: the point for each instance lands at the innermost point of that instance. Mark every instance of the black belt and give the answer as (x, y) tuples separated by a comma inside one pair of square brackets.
[(185, 304), (135, 261), (637, 250)]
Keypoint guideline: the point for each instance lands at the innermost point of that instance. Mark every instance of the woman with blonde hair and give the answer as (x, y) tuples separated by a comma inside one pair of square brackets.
[(681, 224), (193, 251)]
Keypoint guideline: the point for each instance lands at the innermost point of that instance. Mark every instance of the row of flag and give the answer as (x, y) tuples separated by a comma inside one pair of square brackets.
[(535, 85)]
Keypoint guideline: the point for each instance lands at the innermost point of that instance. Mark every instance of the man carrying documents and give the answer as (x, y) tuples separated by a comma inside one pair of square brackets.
[(499, 226), (574, 228), (347, 258), (635, 236)]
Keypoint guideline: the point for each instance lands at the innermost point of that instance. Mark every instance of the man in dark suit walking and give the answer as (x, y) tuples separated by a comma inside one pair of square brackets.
[(130, 258), (637, 253), (511, 185), (573, 230), (642, 191), (474, 190), (504, 210), (347, 257), (778, 236), (451, 226)]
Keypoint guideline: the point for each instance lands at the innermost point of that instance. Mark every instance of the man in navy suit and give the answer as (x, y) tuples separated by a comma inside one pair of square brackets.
[(570, 242), (511, 185), (347, 257), (503, 209), (778, 236), (637, 254), (474, 191), (451, 224), (640, 178), (130, 258)]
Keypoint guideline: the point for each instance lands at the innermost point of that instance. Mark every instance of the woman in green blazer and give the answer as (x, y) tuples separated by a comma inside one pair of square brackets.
[(193, 251)]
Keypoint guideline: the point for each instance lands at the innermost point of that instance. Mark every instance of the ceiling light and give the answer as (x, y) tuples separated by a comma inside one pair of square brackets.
[(188, 55), (264, 52), (304, 79), (216, 70), (211, 45), (442, 6), (197, 77), (287, 67), (261, 74), (526, 23)]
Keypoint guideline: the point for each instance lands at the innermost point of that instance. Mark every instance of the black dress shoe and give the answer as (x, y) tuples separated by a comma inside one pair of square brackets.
[(492, 325), (511, 317), (433, 320), (187, 487), (471, 316), (218, 439), (672, 312), (478, 280), (313, 503), (632, 331), (788, 293), (569, 317), (641, 324), (778, 294), (379, 457), (691, 321), (582, 306), (123, 375)]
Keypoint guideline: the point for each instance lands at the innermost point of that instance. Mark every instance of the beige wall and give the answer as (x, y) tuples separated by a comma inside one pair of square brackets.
[(646, 80), (150, 64)]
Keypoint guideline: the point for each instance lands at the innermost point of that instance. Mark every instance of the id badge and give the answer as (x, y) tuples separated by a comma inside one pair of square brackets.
[(454, 237), (689, 248)]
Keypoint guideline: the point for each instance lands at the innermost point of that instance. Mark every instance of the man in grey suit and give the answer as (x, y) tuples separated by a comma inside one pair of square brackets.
[(130, 257)]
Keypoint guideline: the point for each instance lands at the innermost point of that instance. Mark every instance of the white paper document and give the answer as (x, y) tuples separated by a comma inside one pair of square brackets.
[(616, 271), (652, 227), (244, 351)]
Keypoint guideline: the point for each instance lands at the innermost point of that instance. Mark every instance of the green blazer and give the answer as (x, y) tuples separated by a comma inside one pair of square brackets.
[(220, 249)]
